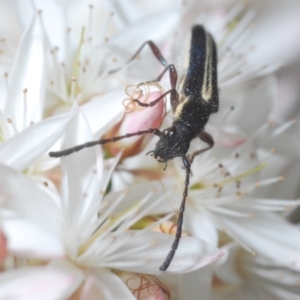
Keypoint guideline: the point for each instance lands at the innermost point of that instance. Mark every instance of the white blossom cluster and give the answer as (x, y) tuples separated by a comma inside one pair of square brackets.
[(97, 224)]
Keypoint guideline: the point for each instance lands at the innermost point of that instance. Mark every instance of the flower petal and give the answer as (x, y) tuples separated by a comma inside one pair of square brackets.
[(225, 267), (21, 195), (24, 148), (35, 283), (28, 72), (265, 234), (240, 103), (102, 112), (81, 184), (110, 286), (151, 28), (144, 252), (156, 188), (54, 20), (281, 19), (199, 225), (196, 283), (26, 239)]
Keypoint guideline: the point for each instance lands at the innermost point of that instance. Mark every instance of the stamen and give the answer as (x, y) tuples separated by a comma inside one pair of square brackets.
[(10, 121), (284, 127), (73, 89), (90, 19), (268, 181), (5, 75), (10, 47), (268, 155), (24, 108), (76, 62)]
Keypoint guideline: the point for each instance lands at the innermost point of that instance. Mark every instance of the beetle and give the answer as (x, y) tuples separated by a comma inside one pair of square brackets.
[(192, 102)]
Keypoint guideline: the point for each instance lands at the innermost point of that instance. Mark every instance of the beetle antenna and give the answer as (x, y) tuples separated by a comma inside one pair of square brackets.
[(101, 142)]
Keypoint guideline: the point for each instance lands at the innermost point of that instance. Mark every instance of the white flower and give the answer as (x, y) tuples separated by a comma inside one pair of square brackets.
[(76, 234), (78, 69), (248, 277)]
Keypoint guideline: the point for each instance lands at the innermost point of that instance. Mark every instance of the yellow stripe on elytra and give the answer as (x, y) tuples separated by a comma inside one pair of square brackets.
[(207, 88)]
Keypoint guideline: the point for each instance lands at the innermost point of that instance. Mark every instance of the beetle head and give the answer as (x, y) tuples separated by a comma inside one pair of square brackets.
[(172, 143)]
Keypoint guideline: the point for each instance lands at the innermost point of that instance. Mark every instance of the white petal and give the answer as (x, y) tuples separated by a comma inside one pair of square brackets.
[(26, 239), (199, 225), (81, 185), (28, 72), (245, 100), (225, 267), (273, 21), (102, 111), (158, 188), (196, 283), (24, 148), (110, 286), (144, 252), (151, 28), (54, 20), (265, 234), (21, 195), (36, 283)]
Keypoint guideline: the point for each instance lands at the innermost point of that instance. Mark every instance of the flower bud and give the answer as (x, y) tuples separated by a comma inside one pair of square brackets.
[(141, 118)]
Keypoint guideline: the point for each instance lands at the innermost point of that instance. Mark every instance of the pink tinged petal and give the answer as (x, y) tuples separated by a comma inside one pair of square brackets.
[(133, 121), (28, 72), (26, 239), (23, 149), (264, 234), (144, 252), (36, 283), (149, 117), (21, 195), (3, 247), (110, 286), (81, 185)]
